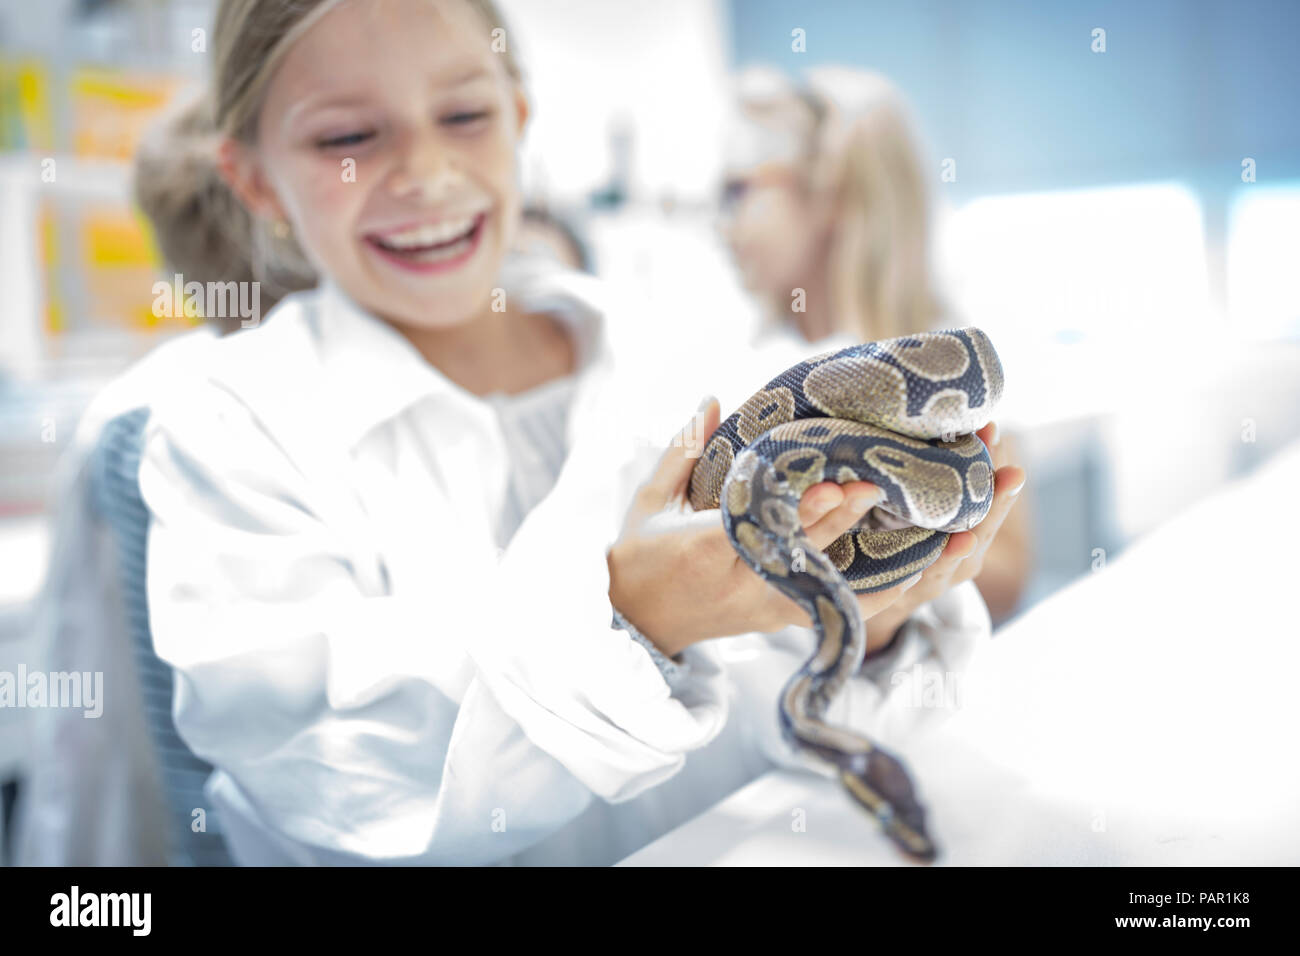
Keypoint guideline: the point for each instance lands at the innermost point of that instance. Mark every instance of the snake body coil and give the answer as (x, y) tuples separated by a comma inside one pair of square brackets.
[(900, 413)]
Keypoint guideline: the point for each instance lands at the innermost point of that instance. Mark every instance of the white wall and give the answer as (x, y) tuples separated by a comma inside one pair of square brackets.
[(658, 65)]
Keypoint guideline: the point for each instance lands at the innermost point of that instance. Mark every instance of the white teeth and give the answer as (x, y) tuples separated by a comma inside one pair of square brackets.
[(437, 253), (445, 252), (424, 236)]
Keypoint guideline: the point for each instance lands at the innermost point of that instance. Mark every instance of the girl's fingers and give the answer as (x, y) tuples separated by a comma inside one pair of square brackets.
[(817, 501), (857, 499), (826, 511), (698, 529), (784, 610), (938, 577), (1007, 483), (872, 604), (999, 451), (673, 473), (961, 544)]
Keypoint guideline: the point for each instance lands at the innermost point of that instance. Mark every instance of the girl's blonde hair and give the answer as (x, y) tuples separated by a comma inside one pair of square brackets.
[(854, 145), (202, 229)]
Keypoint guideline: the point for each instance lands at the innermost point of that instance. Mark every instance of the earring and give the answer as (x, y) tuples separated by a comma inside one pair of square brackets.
[(280, 229)]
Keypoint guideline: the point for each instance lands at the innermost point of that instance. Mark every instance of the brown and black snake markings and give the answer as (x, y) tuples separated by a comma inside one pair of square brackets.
[(900, 413)]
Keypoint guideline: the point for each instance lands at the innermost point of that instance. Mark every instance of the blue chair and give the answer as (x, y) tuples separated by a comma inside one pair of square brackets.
[(115, 468)]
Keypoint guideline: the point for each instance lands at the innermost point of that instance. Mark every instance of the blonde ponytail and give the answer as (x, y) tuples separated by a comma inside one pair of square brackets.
[(870, 161), (203, 231)]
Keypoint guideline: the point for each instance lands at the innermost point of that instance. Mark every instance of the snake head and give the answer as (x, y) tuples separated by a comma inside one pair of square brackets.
[(881, 784)]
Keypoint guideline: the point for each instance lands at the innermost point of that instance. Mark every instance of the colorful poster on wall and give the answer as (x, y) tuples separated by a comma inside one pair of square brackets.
[(98, 261), (100, 270), (110, 110)]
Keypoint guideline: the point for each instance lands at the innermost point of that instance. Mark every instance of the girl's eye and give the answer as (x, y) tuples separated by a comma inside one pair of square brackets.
[(466, 118), (348, 139), (733, 191)]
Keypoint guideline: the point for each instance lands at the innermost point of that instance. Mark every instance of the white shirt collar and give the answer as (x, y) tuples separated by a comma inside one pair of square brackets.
[(379, 373)]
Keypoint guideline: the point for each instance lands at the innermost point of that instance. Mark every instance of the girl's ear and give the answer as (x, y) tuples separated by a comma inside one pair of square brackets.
[(242, 172)]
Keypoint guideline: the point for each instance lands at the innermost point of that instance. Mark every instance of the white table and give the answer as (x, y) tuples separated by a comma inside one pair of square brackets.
[(1146, 715)]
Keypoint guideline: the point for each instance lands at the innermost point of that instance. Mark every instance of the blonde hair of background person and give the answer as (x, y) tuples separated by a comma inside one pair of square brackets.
[(433, 117), (827, 193)]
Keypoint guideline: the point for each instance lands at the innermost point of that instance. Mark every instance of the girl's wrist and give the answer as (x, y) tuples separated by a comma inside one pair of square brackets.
[(627, 608), (672, 668)]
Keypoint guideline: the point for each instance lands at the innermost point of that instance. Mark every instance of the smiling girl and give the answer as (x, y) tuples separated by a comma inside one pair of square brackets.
[(391, 526)]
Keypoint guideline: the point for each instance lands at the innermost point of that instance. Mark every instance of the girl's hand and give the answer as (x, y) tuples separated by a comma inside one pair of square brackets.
[(963, 556), (674, 574)]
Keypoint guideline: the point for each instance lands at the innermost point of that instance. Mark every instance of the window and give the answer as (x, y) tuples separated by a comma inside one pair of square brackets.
[(1264, 262), (1092, 265)]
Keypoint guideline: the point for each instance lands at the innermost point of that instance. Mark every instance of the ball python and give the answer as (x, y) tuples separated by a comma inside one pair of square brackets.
[(900, 413)]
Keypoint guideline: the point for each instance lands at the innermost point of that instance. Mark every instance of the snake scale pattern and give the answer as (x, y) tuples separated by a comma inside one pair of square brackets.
[(901, 413)]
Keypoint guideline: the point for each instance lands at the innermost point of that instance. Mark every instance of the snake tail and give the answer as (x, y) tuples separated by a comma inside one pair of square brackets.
[(874, 778)]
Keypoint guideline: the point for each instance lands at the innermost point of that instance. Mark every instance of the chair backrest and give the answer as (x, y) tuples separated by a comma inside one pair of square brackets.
[(115, 468)]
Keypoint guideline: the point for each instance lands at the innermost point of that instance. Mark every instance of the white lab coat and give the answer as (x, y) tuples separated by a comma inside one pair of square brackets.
[(376, 684)]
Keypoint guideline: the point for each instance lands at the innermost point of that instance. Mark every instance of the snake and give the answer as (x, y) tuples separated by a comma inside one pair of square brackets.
[(901, 413)]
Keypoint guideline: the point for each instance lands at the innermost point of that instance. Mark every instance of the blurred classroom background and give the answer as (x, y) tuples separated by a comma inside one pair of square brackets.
[(1124, 221)]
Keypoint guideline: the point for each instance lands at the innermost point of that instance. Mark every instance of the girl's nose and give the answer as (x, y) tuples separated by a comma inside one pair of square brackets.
[(426, 173)]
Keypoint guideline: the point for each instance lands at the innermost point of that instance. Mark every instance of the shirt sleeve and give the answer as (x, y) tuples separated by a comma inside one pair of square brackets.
[(915, 683), (456, 726)]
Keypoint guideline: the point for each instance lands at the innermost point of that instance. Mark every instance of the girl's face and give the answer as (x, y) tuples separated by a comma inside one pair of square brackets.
[(775, 230), (387, 139)]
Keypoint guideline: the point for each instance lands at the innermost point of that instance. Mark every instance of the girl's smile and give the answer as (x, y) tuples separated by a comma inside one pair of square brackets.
[(439, 246)]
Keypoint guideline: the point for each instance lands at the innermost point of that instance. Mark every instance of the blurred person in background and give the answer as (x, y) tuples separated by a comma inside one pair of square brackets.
[(549, 235), (827, 213)]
